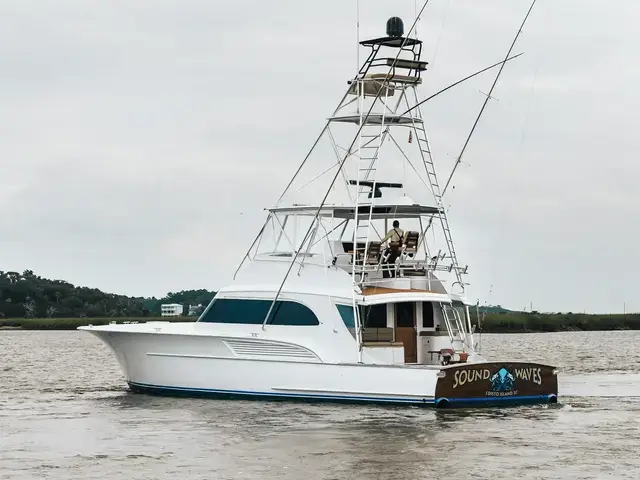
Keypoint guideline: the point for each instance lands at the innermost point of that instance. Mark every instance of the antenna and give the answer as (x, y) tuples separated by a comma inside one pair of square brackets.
[(415, 14), (357, 34)]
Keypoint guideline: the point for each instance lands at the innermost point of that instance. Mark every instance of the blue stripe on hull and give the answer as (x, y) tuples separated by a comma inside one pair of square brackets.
[(240, 394)]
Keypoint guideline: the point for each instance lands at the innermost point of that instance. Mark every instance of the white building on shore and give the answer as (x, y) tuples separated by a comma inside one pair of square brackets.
[(171, 309)]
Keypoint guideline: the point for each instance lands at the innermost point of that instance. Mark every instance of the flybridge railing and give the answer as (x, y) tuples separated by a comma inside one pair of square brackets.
[(405, 266)]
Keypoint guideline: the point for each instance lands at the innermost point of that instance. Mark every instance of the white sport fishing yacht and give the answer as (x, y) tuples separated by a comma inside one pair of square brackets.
[(356, 296)]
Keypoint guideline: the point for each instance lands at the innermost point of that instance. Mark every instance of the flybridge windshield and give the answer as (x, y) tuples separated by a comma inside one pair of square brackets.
[(377, 211), (286, 231)]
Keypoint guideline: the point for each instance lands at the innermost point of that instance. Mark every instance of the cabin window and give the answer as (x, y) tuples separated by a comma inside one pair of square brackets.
[(427, 315), (253, 312), (374, 316), (346, 312), (404, 314)]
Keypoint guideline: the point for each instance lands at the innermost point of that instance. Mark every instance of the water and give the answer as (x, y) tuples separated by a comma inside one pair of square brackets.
[(65, 413)]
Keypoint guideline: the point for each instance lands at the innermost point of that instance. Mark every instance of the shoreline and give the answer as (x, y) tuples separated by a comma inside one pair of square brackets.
[(492, 323)]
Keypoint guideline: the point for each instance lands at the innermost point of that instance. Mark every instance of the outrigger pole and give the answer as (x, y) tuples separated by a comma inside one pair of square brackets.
[(468, 77), (335, 177), (326, 125), (486, 100)]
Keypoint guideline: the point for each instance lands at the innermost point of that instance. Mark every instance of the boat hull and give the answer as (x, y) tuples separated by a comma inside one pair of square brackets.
[(196, 366)]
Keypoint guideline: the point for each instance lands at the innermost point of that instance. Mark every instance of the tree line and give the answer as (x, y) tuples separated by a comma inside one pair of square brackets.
[(27, 295), (522, 322)]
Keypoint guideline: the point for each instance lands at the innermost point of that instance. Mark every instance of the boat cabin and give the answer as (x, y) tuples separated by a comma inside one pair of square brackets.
[(406, 312), (412, 331)]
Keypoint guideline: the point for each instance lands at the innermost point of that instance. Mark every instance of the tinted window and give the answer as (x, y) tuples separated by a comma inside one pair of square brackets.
[(404, 314), (231, 310), (346, 312), (427, 314), (374, 316)]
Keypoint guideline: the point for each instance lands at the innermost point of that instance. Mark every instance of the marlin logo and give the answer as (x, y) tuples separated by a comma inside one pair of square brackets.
[(502, 381)]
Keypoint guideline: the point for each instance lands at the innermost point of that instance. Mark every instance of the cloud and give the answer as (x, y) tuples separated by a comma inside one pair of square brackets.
[(141, 141)]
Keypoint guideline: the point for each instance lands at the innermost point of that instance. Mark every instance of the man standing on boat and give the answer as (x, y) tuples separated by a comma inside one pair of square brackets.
[(395, 236)]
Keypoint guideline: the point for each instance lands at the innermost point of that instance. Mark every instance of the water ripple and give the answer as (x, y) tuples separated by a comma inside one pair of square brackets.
[(67, 414)]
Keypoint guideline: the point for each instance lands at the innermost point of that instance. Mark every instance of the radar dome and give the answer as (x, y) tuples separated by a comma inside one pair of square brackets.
[(395, 27)]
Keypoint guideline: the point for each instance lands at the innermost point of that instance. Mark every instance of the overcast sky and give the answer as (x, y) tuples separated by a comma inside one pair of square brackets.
[(140, 140)]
